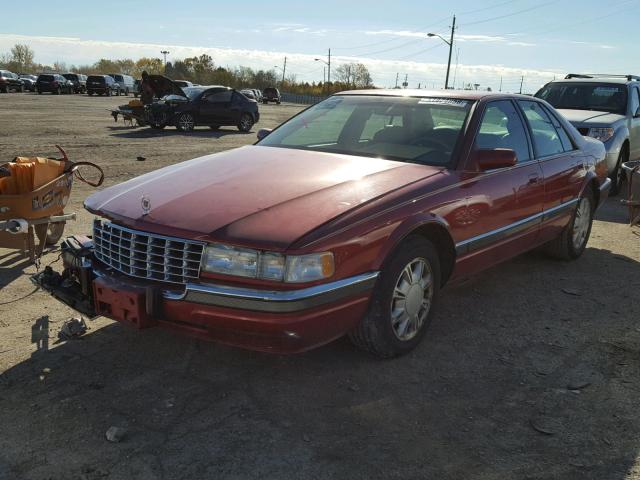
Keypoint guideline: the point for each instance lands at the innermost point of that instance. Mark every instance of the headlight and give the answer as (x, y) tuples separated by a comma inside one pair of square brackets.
[(230, 261), (306, 268), (602, 134), (243, 262)]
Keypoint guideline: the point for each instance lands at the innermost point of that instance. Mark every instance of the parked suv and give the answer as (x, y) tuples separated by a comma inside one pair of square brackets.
[(126, 82), (54, 83), (10, 81), (605, 107), (79, 81), (102, 85), (271, 94)]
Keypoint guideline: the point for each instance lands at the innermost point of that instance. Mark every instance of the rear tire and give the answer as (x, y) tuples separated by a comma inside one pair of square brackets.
[(617, 176), (403, 300), (571, 243)]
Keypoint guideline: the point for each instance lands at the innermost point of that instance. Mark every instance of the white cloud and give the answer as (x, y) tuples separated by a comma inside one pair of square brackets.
[(458, 38), (81, 51)]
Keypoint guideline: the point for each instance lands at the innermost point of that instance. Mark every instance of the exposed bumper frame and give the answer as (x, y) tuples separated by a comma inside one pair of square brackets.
[(273, 301)]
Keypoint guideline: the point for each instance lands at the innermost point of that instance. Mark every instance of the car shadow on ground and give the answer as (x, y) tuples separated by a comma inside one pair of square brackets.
[(147, 132), (530, 370), (610, 210)]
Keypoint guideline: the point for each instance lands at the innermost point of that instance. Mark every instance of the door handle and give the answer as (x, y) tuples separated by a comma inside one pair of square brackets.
[(533, 178)]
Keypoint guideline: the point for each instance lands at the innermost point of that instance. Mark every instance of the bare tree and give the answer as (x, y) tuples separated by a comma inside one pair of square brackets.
[(354, 74), (22, 56)]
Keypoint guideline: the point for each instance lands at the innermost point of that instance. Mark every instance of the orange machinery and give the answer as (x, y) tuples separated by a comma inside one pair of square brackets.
[(33, 194)]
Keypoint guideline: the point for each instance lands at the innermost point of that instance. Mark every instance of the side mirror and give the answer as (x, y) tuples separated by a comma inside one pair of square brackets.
[(263, 132), (491, 159)]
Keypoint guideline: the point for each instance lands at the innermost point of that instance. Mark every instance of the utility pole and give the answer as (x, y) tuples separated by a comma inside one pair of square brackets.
[(165, 53), (419, 86), (405, 84), (397, 76), (455, 70), (284, 69), (453, 29), (329, 68), (521, 82), (450, 43), (500, 89)]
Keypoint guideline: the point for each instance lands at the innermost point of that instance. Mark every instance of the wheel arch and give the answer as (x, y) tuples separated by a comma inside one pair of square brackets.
[(431, 227)]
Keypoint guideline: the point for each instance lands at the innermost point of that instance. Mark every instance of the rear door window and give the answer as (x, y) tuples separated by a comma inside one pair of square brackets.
[(546, 140), (635, 102)]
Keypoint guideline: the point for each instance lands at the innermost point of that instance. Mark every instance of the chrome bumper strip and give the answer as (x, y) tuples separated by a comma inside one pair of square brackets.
[(273, 301)]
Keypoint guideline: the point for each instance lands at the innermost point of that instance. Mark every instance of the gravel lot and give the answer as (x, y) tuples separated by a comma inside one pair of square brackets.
[(529, 371)]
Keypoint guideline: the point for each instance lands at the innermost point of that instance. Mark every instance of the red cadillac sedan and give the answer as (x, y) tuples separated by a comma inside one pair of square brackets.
[(347, 219)]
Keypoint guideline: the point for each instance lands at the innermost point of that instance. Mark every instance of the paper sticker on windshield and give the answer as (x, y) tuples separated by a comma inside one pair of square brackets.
[(454, 102)]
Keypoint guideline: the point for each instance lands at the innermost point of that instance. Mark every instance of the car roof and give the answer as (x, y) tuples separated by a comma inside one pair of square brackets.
[(618, 80), (458, 94)]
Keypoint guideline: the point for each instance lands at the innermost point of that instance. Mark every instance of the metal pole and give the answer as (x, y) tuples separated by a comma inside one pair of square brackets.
[(329, 68), (521, 82), (453, 28), (500, 85), (284, 69), (397, 74)]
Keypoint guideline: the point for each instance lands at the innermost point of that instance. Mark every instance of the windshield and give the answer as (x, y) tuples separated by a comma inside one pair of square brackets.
[(192, 92), (45, 77), (586, 96), (70, 76), (406, 129)]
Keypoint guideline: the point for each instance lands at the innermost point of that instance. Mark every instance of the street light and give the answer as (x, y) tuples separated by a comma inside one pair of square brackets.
[(450, 43), (165, 53)]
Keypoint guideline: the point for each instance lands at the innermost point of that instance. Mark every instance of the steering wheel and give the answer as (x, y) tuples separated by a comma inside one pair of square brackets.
[(429, 142)]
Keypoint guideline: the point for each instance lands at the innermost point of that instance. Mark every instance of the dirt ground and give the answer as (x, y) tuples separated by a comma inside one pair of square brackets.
[(529, 371)]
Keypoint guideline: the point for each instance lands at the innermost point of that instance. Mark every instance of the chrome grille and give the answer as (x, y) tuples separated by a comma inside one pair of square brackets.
[(146, 255)]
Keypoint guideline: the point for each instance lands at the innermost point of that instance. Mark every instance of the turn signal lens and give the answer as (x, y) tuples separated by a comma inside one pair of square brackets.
[(307, 268)]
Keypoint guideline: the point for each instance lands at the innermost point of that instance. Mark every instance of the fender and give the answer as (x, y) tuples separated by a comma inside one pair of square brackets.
[(415, 223)]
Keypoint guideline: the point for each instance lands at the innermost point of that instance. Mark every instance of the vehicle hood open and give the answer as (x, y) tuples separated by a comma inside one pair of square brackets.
[(263, 197), (590, 116), (164, 86)]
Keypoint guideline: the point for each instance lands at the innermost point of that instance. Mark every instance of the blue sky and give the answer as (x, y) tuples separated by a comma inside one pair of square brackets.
[(495, 38)]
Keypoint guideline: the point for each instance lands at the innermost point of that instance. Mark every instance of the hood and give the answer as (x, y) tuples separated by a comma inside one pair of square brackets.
[(164, 86), (590, 116), (265, 197)]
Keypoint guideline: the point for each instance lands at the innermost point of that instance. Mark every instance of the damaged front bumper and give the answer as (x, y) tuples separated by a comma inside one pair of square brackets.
[(283, 321)]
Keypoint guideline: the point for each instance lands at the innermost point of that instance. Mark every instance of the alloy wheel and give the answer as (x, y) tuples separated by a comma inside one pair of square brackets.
[(186, 122), (581, 223), (411, 299)]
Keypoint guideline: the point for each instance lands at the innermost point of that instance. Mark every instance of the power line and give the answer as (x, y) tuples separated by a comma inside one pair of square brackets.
[(499, 17), (491, 7), (563, 26), (420, 52)]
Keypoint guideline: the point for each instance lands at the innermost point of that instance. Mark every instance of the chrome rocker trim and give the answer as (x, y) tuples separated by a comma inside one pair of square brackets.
[(479, 241), (273, 301)]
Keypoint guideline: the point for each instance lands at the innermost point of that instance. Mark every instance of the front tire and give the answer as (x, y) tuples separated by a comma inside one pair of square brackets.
[(402, 302), (617, 176), (186, 122), (246, 122), (571, 243)]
